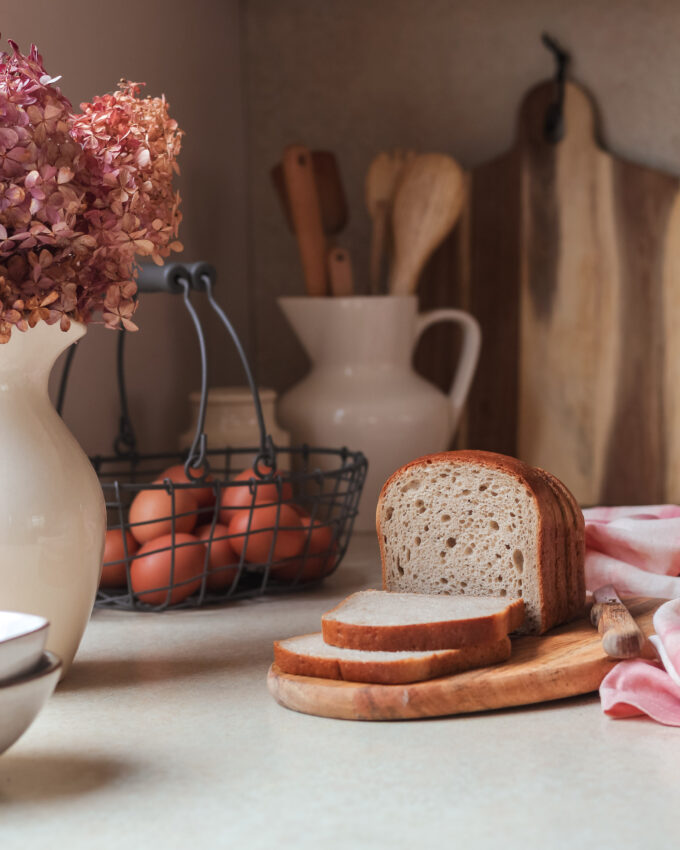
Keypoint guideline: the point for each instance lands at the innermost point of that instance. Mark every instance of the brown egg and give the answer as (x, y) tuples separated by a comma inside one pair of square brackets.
[(150, 573), (235, 498), (153, 508), (257, 542), (220, 555), (205, 496), (114, 573), (320, 558)]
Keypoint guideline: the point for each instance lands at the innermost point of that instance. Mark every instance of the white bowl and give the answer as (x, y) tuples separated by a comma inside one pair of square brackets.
[(21, 699), (22, 642)]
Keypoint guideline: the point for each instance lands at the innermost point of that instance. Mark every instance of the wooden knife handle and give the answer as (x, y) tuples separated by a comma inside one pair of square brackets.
[(621, 635), (298, 172), (340, 270)]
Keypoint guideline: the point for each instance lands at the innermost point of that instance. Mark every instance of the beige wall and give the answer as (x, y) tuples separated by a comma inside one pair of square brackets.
[(361, 75), (190, 51)]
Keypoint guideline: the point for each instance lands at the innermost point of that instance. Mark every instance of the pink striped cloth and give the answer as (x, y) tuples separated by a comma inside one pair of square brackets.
[(637, 549)]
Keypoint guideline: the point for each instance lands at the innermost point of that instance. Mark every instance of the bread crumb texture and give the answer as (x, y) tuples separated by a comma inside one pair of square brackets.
[(461, 528)]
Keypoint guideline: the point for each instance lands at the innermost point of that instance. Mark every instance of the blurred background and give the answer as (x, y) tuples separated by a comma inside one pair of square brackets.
[(246, 77)]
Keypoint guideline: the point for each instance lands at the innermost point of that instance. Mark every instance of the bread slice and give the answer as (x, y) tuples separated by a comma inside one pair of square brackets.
[(378, 621), (309, 655), (480, 523)]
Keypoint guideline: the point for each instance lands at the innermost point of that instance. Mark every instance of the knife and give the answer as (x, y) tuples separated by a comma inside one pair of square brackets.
[(621, 635)]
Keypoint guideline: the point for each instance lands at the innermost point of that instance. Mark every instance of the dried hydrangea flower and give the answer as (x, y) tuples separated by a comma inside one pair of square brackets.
[(81, 196)]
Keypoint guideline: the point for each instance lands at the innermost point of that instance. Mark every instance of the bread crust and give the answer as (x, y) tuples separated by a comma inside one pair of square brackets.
[(551, 606), (577, 598), (399, 671), (562, 562), (420, 637)]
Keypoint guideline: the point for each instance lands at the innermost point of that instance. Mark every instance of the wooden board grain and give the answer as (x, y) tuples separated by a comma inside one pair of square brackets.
[(595, 231), (570, 262), (567, 662)]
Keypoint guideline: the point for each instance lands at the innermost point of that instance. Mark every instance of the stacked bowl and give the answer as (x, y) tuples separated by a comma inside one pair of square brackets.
[(28, 674)]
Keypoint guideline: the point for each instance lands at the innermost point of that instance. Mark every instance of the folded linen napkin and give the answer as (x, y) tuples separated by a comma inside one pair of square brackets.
[(649, 687), (637, 549)]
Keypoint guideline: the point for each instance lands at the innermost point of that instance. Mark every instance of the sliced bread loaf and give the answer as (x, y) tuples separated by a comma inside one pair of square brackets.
[(480, 523), (375, 620), (309, 655)]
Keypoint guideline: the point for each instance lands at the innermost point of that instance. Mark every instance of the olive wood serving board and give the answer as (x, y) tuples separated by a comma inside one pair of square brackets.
[(566, 662)]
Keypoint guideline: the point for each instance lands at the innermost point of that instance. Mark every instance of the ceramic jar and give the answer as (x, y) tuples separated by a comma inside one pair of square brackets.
[(52, 512), (362, 391), (230, 420)]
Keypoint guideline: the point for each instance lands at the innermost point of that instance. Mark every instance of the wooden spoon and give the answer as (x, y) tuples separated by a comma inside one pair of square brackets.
[(428, 202), (306, 216), (382, 180), (329, 187)]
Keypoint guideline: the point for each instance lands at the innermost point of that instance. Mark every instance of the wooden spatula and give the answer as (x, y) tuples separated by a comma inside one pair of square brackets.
[(382, 180), (428, 202), (621, 635), (305, 212), (329, 187)]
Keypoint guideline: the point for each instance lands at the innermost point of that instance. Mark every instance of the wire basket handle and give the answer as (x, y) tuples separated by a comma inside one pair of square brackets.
[(203, 277), (175, 278), (178, 278)]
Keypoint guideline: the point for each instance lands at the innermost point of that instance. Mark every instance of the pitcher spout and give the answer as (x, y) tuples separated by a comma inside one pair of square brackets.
[(354, 331), (303, 315), (31, 354)]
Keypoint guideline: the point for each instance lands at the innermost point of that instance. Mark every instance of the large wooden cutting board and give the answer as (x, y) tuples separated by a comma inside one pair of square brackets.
[(567, 662), (570, 258)]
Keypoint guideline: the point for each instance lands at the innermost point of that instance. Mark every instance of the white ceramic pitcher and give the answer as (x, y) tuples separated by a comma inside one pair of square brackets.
[(362, 391), (52, 512)]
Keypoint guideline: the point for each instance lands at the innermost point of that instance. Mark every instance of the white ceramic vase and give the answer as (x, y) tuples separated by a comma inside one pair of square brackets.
[(363, 392), (52, 511)]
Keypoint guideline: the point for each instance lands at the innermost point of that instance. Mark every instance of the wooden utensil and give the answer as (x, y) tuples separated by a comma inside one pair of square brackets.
[(382, 179), (334, 210), (429, 199), (340, 272), (566, 662), (306, 215), (621, 635), (329, 187)]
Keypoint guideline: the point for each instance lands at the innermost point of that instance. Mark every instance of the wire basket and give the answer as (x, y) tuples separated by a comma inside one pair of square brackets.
[(205, 527)]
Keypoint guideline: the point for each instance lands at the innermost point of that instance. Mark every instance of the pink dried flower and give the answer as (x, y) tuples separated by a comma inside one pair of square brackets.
[(80, 197)]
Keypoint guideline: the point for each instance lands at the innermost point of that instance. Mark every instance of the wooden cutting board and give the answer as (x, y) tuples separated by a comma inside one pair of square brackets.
[(567, 662), (570, 258)]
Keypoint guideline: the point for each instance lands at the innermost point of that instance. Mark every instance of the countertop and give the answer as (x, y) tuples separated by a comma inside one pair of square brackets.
[(164, 735)]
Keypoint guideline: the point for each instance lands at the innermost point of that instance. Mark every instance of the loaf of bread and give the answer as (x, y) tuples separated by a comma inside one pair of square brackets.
[(309, 655), (375, 620), (483, 524)]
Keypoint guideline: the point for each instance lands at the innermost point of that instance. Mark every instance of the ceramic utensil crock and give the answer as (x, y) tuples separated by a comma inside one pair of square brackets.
[(362, 391)]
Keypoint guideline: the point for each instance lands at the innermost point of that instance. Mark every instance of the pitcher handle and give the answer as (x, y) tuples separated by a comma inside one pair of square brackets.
[(469, 356)]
